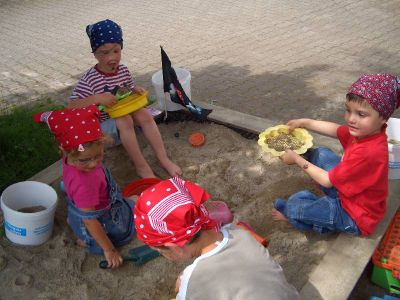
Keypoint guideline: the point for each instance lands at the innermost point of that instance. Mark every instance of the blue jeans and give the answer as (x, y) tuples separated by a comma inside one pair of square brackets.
[(109, 127), (116, 219), (306, 211)]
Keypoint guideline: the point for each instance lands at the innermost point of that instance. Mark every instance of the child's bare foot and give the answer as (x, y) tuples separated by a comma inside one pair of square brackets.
[(172, 169), (80, 243), (277, 215), (145, 172)]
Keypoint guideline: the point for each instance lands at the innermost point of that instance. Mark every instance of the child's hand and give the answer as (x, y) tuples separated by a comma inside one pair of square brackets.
[(113, 258), (139, 90), (107, 99), (289, 157), (178, 283), (293, 124)]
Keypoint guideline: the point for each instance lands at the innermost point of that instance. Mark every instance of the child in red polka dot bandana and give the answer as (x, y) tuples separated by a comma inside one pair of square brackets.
[(97, 213), (355, 185), (172, 211), (175, 218)]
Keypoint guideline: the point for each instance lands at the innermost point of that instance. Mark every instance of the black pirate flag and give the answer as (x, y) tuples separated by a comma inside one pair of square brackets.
[(173, 87)]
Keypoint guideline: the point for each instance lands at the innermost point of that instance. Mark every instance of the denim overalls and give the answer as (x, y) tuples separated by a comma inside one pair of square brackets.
[(116, 218), (306, 211)]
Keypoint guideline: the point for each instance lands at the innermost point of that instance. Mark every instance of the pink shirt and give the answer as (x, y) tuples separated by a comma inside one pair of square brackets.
[(86, 189)]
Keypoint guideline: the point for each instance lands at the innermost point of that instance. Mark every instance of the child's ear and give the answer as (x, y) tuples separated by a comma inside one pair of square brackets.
[(174, 247), (171, 245), (63, 151)]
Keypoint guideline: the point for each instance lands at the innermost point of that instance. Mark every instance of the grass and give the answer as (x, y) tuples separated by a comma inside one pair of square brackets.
[(25, 147)]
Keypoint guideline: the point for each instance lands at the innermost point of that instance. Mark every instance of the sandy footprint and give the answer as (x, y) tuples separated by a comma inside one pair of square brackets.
[(22, 282)]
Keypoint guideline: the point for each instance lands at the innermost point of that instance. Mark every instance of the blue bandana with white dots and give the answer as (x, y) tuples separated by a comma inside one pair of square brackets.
[(104, 32)]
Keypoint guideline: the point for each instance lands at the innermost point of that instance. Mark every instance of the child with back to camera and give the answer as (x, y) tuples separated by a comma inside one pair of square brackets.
[(98, 215), (356, 185), (229, 263), (94, 86)]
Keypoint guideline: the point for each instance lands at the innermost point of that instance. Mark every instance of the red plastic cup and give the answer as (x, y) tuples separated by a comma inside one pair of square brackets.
[(138, 186)]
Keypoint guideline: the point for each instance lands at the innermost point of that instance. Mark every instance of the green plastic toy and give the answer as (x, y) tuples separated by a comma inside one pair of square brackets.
[(119, 92), (138, 256)]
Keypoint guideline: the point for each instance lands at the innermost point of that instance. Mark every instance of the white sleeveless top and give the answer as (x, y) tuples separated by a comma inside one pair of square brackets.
[(238, 268)]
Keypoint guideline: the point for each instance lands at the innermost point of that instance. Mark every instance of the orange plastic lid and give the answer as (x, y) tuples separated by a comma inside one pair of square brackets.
[(197, 139), (138, 186)]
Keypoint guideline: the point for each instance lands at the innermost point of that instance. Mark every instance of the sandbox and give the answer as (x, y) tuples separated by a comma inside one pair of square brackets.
[(231, 168)]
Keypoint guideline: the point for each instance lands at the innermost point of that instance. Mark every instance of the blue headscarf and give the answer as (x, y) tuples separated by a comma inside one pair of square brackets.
[(104, 32)]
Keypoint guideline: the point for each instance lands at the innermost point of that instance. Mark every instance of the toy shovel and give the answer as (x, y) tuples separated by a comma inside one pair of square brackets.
[(138, 256), (119, 92)]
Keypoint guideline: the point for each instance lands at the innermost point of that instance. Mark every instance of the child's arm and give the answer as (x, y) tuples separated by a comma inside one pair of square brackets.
[(323, 127), (107, 99), (178, 283), (97, 232), (319, 175)]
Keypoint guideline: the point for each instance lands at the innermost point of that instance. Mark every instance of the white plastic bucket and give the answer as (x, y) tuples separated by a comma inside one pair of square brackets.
[(393, 133), (28, 228), (158, 83)]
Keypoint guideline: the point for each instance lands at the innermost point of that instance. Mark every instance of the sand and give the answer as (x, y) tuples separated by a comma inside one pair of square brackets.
[(230, 167)]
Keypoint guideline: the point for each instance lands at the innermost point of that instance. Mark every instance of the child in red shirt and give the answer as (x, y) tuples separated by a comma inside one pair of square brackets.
[(356, 185)]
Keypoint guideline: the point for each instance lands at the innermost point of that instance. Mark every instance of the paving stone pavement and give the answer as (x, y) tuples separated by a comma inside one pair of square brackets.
[(273, 59)]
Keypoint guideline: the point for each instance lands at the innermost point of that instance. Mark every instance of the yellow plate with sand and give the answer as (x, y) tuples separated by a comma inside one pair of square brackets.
[(127, 105), (299, 140)]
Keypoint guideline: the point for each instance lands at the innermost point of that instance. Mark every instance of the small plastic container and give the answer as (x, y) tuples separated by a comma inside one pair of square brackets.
[(197, 139), (219, 212), (138, 186), (127, 105), (386, 258), (393, 133)]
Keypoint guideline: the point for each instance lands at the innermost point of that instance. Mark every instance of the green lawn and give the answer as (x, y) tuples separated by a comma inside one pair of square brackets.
[(25, 147)]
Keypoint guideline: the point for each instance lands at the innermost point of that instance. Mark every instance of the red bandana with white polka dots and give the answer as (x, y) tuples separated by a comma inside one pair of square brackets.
[(171, 211), (73, 127)]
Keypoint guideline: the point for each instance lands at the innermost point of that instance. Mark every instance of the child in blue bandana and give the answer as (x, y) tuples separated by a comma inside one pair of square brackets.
[(94, 88)]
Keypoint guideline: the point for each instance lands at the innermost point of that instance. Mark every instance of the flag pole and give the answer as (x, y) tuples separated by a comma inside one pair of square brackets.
[(166, 94)]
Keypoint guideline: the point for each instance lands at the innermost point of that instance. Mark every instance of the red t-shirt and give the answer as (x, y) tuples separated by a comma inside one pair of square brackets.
[(361, 178)]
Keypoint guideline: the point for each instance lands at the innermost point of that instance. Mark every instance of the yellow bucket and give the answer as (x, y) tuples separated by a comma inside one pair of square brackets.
[(127, 105)]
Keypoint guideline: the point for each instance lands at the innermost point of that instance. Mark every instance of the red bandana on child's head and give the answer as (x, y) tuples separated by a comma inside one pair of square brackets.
[(382, 91), (171, 211), (72, 127)]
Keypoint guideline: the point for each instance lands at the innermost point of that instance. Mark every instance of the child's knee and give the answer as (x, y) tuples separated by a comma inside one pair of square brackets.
[(143, 117), (124, 123)]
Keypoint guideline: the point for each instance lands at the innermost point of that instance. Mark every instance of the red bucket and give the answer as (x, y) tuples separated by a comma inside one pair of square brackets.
[(138, 186)]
